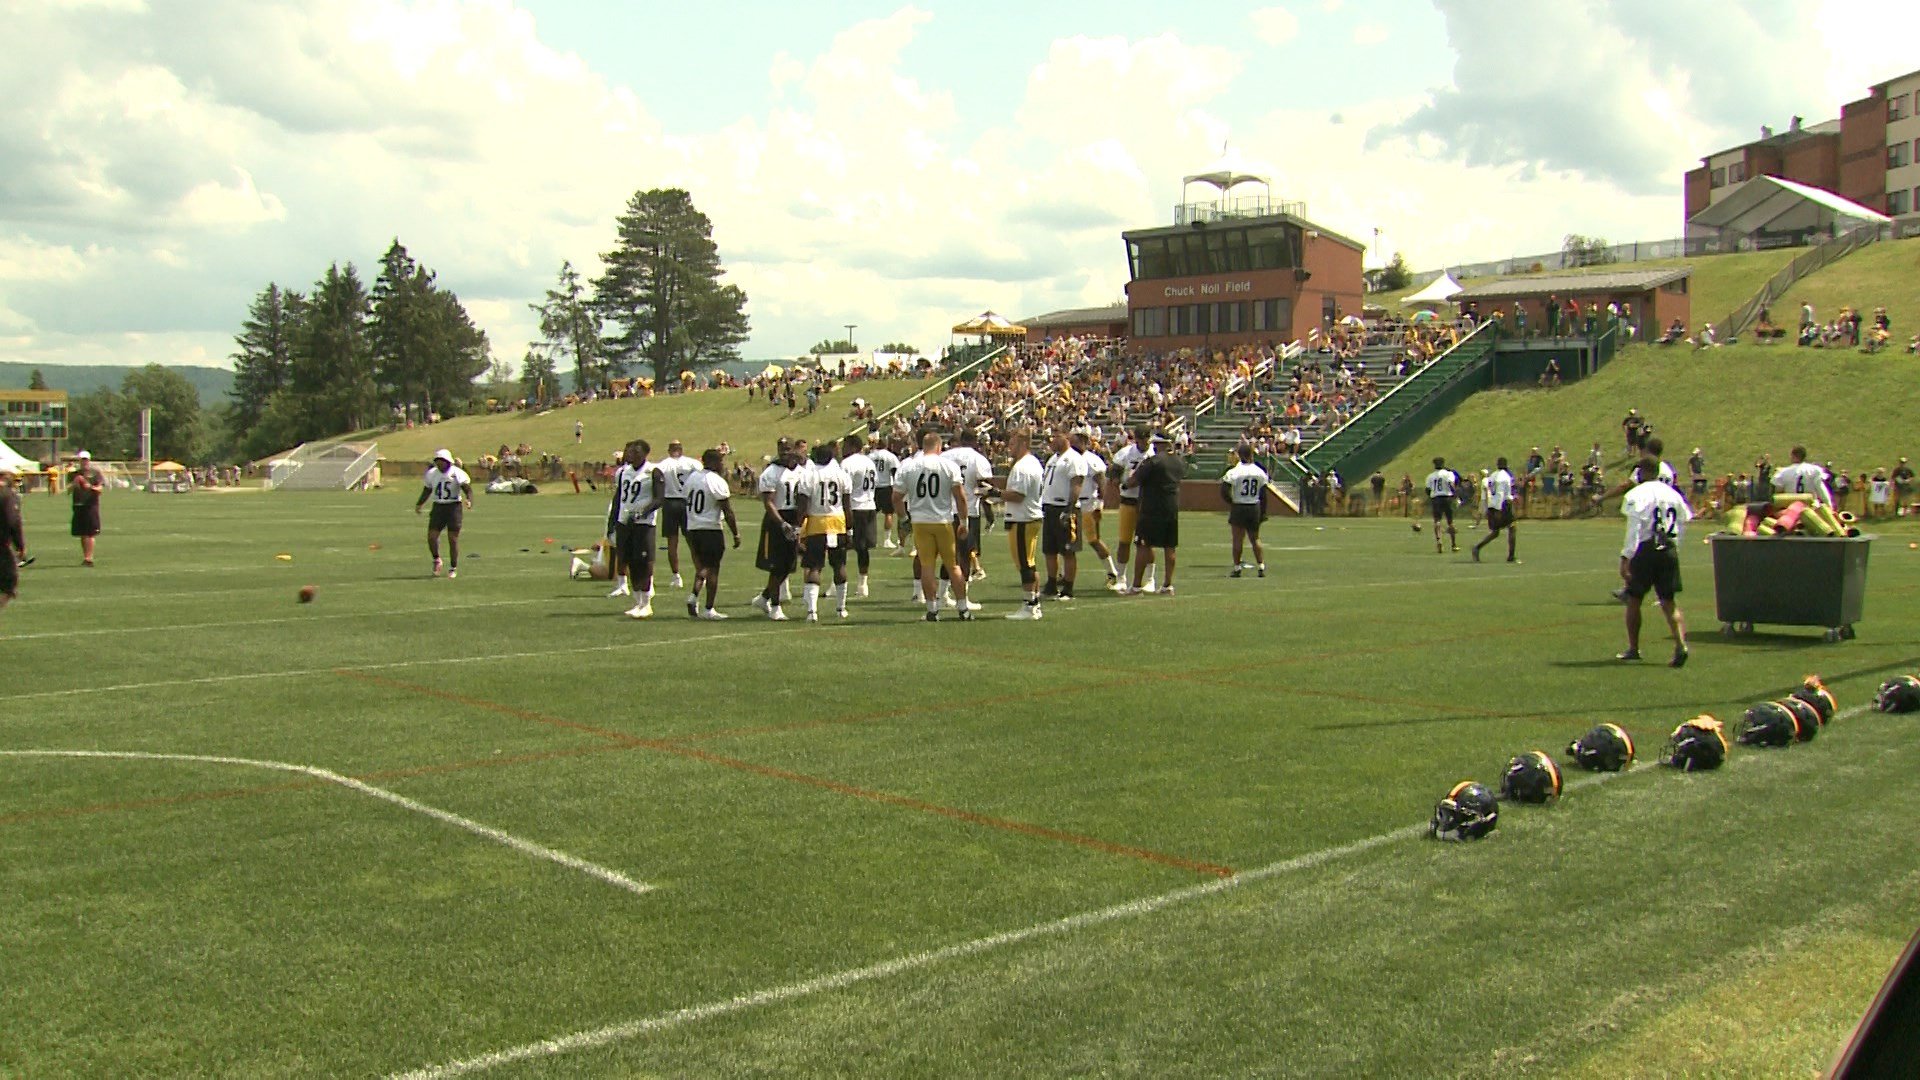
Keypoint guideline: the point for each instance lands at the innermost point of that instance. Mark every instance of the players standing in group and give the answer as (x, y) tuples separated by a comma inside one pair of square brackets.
[(822, 504), (779, 490), (1443, 490), (709, 503), (863, 529), (1063, 476), (450, 490), (1497, 499), (1244, 488), (931, 493), (1025, 479)]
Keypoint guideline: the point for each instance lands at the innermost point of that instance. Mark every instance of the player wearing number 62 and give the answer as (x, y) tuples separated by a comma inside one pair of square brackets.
[(1244, 487), (450, 490), (1657, 517)]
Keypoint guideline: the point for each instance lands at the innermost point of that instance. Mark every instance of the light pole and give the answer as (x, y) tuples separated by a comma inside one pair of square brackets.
[(851, 327)]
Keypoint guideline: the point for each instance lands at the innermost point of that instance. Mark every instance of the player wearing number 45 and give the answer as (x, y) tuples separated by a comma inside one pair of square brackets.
[(1245, 489), (1650, 559), (450, 490)]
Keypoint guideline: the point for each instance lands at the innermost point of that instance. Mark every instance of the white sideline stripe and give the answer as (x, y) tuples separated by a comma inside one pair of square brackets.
[(378, 614), (392, 665), (631, 1029), (491, 574), (525, 847)]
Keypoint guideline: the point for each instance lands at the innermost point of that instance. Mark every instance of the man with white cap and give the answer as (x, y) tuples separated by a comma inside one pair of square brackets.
[(13, 538), (86, 483), (450, 490)]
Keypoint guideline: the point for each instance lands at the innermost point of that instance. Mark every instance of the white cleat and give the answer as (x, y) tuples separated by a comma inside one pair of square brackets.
[(973, 605), (436, 568), (843, 613), (760, 603), (776, 614), (1025, 613), (813, 616), (640, 611), (890, 545), (714, 616), (451, 574), (677, 583), (863, 587), (621, 590), (977, 575)]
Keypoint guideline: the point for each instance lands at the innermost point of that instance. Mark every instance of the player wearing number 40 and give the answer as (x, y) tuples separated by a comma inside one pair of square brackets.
[(1657, 516)]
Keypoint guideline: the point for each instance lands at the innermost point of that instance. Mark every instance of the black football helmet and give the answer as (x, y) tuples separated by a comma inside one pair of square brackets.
[(1806, 719), (1469, 812), (1696, 745), (1607, 748), (1531, 778), (1815, 693), (1899, 694), (1768, 724)]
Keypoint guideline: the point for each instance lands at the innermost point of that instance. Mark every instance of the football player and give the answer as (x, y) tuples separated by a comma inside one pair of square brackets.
[(1062, 478), (1497, 499), (674, 470), (886, 467), (779, 490), (1126, 460), (638, 488), (863, 529), (974, 470), (822, 505), (1244, 489), (1022, 496), (1443, 486), (451, 492), (931, 493), (1803, 477), (1093, 500), (709, 503), (1657, 515)]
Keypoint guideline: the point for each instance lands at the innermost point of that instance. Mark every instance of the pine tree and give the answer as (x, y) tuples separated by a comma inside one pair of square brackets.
[(37, 380), (263, 364), (661, 289), (537, 376), (570, 329), (332, 380)]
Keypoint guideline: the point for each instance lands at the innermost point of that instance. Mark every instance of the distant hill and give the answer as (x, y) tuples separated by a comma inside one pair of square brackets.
[(213, 383)]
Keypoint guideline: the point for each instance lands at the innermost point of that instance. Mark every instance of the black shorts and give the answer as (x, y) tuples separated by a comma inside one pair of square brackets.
[(1442, 506), (673, 517), (707, 546), (970, 543), (815, 554), (1500, 519), (863, 529), (445, 517), (777, 554), (1059, 531), (1656, 570), (636, 549), (1158, 530), (86, 520), (9, 573), (883, 498), (1245, 516)]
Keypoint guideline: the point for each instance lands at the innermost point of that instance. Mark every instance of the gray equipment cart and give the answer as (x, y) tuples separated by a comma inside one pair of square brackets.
[(1789, 581)]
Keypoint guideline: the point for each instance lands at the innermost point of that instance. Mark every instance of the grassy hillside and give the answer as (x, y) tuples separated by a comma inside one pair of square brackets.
[(212, 383), (700, 420), (1734, 403), (1720, 282)]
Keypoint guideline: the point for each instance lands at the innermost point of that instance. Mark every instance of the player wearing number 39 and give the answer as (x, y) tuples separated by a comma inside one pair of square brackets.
[(1656, 515), (451, 492)]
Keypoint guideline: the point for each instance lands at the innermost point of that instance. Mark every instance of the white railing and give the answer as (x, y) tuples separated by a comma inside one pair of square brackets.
[(361, 466)]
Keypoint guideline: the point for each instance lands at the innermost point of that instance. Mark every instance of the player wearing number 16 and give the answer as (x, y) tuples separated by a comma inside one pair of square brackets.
[(451, 492), (930, 490), (1657, 516)]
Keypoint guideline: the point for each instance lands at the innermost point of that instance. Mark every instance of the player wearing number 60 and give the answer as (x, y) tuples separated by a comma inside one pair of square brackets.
[(930, 490), (450, 490), (1657, 516)]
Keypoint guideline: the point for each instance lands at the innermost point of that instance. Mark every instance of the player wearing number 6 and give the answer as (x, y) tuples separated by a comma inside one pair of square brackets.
[(930, 490), (1244, 488), (1657, 516), (1803, 478), (450, 490)]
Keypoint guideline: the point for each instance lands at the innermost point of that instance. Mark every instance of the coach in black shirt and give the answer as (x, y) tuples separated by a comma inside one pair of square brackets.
[(1159, 479)]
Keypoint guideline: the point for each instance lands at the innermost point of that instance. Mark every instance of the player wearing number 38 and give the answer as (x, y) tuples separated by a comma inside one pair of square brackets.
[(1656, 515)]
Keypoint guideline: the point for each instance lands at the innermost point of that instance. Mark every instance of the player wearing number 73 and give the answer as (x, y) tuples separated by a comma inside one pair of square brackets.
[(451, 493), (1656, 515)]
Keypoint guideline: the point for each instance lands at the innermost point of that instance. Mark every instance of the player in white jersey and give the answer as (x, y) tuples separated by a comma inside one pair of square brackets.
[(929, 489), (975, 469), (450, 490), (1443, 492), (779, 491), (1657, 517), (863, 507), (1025, 477), (886, 466), (638, 488), (1244, 487), (1093, 500), (1126, 461), (674, 469), (1653, 449), (709, 504), (823, 530), (1061, 480), (1803, 477), (1496, 498)]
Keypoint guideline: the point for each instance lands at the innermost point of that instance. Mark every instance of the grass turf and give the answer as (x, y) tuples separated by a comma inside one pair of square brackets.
[(815, 801)]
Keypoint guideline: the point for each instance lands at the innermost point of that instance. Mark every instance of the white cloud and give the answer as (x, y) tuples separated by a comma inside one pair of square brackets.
[(1275, 25), (1370, 33)]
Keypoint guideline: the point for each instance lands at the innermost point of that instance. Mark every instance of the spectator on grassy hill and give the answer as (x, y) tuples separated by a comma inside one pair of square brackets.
[(1553, 316), (1879, 493), (1697, 469), (1842, 486), (1378, 483), (1676, 331), (1902, 477)]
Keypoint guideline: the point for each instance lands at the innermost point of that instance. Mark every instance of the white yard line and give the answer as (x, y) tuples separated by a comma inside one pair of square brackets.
[(173, 627), (525, 847), (615, 1033)]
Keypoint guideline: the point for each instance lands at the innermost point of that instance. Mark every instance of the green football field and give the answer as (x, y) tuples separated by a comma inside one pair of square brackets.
[(490, 825)]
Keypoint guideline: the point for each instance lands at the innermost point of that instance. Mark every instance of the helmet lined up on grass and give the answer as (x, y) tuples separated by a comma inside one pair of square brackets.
[(1469, 812), (1697, 745), (1533, 777), (1806, 718), (1900, 694), (1815, 693), (1768, 724), (1607, 748)]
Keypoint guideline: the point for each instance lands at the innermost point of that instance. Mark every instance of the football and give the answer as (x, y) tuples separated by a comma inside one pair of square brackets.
[(307, 593), (1416, 526)]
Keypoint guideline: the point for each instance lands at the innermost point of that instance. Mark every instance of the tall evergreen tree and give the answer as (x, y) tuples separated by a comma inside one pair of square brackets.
[(332, 380), (175, 405), (263, 363), (37, 380), (570, 330), (661, 289), (537, 377), (425, 348)]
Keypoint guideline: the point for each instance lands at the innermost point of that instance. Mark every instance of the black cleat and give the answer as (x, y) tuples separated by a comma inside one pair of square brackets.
[(1679, 657), (933, 616), (965, 615), (1476, 554), (1630, 655)]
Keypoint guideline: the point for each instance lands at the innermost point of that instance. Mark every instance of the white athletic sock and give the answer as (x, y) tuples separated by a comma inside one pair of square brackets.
[(812, 594), (933, 606), (840, 595), (945, 588), (919, 594), (786, 590), (694, 598), (1113, 568)]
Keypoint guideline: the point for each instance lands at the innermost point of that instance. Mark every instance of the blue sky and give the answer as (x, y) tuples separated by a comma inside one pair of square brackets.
[(896, 166)]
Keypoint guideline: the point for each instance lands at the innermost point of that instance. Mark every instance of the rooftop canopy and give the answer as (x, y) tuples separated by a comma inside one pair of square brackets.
[(989, 324), (1768, 207), (1439, 291), (1612, 281)]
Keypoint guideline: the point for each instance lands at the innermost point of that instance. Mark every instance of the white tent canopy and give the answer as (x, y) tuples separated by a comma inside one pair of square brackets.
[(1438, 291), (1230, 172), (1769, 208), (11, 460)]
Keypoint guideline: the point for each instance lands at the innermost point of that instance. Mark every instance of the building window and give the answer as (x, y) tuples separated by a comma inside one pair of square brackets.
[(1897, 155), (1150, 322), (1737, 173), (1897, 108), (1719, 178), (1896, 202)]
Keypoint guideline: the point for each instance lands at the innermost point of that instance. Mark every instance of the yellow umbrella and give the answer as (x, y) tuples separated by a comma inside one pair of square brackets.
[(169, 466), (774, 371)]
